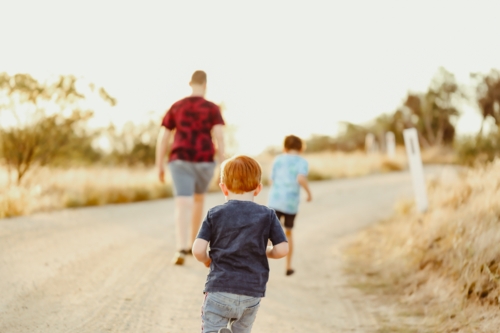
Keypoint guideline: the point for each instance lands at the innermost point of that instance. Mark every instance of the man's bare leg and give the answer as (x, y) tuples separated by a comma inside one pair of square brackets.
[(182, 216), (289, 269), (198, 202)]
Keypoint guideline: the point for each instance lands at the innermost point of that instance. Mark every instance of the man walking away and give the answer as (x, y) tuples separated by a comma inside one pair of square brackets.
[(194, 122)]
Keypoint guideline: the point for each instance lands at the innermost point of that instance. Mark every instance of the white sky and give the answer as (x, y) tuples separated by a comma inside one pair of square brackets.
[(280, 67)]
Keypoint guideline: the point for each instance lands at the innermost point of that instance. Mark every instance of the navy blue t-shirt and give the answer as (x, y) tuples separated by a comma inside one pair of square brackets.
[(238, 232)]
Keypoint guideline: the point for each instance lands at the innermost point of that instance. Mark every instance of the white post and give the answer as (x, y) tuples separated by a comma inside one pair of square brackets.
[(370, 143), (390, 144), (416, 168)]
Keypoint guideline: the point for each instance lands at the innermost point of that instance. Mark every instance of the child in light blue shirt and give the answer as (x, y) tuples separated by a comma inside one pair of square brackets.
[(288, 175)]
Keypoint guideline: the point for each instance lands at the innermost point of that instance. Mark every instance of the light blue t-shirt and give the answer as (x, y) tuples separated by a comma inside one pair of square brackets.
[(284, 195)]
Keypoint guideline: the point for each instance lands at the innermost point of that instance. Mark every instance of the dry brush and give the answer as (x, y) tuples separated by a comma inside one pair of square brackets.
[(444, 265)]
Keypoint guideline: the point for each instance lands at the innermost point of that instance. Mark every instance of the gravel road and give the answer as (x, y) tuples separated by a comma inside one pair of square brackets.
[(107, 269)]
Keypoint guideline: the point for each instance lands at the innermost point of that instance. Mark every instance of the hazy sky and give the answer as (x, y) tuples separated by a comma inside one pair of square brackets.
[(280, 67)]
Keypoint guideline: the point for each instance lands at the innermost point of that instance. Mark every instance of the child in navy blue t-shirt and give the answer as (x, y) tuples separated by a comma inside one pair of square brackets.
[(238, 232)]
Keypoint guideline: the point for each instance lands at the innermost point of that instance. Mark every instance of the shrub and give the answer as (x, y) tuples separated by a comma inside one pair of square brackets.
[(472, 150)]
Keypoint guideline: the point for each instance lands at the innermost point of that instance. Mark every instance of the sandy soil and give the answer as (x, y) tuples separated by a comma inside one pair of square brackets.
[(107, 269)]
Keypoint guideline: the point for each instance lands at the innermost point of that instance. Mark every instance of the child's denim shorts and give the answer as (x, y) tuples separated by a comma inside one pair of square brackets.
[(219, 308)]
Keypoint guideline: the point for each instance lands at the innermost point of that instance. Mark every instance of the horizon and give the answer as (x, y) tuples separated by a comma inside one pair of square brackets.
[(302, 69)]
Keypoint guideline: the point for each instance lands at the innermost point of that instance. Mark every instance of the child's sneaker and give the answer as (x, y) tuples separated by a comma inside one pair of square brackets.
[(179, 257)]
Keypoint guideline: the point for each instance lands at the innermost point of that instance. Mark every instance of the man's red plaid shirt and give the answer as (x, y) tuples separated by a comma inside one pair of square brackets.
[(192, 118)]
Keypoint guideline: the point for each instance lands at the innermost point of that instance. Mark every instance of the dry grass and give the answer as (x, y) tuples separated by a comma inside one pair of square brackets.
[(442, 267), (332, 165), (49, 189), (439, 155)]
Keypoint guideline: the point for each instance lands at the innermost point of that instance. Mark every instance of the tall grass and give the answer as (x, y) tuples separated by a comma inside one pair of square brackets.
[(50, 188), (55, 188), (444, 265), (332, 165)]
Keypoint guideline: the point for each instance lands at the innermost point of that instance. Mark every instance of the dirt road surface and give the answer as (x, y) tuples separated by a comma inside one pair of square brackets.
[(107, 269)]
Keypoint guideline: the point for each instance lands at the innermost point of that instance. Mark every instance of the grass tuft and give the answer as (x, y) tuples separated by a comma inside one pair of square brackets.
[(443, 265), (15, 201), (51, 188)]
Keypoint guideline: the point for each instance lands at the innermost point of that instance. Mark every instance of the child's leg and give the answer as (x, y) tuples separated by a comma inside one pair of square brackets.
[(288, 233), (249, 307), (289, 222), (216, 312)]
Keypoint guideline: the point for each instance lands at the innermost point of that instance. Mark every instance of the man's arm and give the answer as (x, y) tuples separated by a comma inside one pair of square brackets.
[(302, 180), (199, 249), (162, 144), (277, 251), (218, 133)]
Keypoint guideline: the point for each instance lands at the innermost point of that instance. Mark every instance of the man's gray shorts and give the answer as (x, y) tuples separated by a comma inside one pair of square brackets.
[(191, 177)]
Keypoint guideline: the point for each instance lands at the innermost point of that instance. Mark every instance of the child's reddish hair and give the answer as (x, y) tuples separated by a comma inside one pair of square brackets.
[(241, 174)]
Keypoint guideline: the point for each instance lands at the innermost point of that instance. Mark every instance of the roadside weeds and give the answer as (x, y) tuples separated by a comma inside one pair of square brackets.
[(438, 271)]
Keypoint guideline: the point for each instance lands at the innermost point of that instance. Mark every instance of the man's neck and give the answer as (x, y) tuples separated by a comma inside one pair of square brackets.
[(247, 196), (198, 91)]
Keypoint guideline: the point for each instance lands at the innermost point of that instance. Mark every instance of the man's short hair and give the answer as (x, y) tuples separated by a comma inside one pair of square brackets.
[(292, 142), (241, 174), (199, 77)]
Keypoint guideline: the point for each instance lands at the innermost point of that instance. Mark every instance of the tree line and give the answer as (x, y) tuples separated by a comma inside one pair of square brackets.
[(434, 114), (46, 123)]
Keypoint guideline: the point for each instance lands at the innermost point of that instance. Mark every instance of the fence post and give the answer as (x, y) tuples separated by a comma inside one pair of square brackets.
[(390, 144), (370, 144), (416, 168)]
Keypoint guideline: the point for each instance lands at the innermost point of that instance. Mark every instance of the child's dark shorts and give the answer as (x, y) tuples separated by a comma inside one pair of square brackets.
[(288, 219)]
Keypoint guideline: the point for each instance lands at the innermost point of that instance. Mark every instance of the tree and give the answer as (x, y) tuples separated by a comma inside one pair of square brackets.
[(51, 138), (134, 145), (488, 97), (319, 143), (47, 121), (434, 112)]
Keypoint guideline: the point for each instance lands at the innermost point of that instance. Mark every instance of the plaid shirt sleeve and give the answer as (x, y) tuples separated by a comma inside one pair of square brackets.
[(169, 119)]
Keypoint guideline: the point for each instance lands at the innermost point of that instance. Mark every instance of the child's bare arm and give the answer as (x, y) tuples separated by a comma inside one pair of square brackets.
[(199, 249), (302, 180), (277, 251)]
